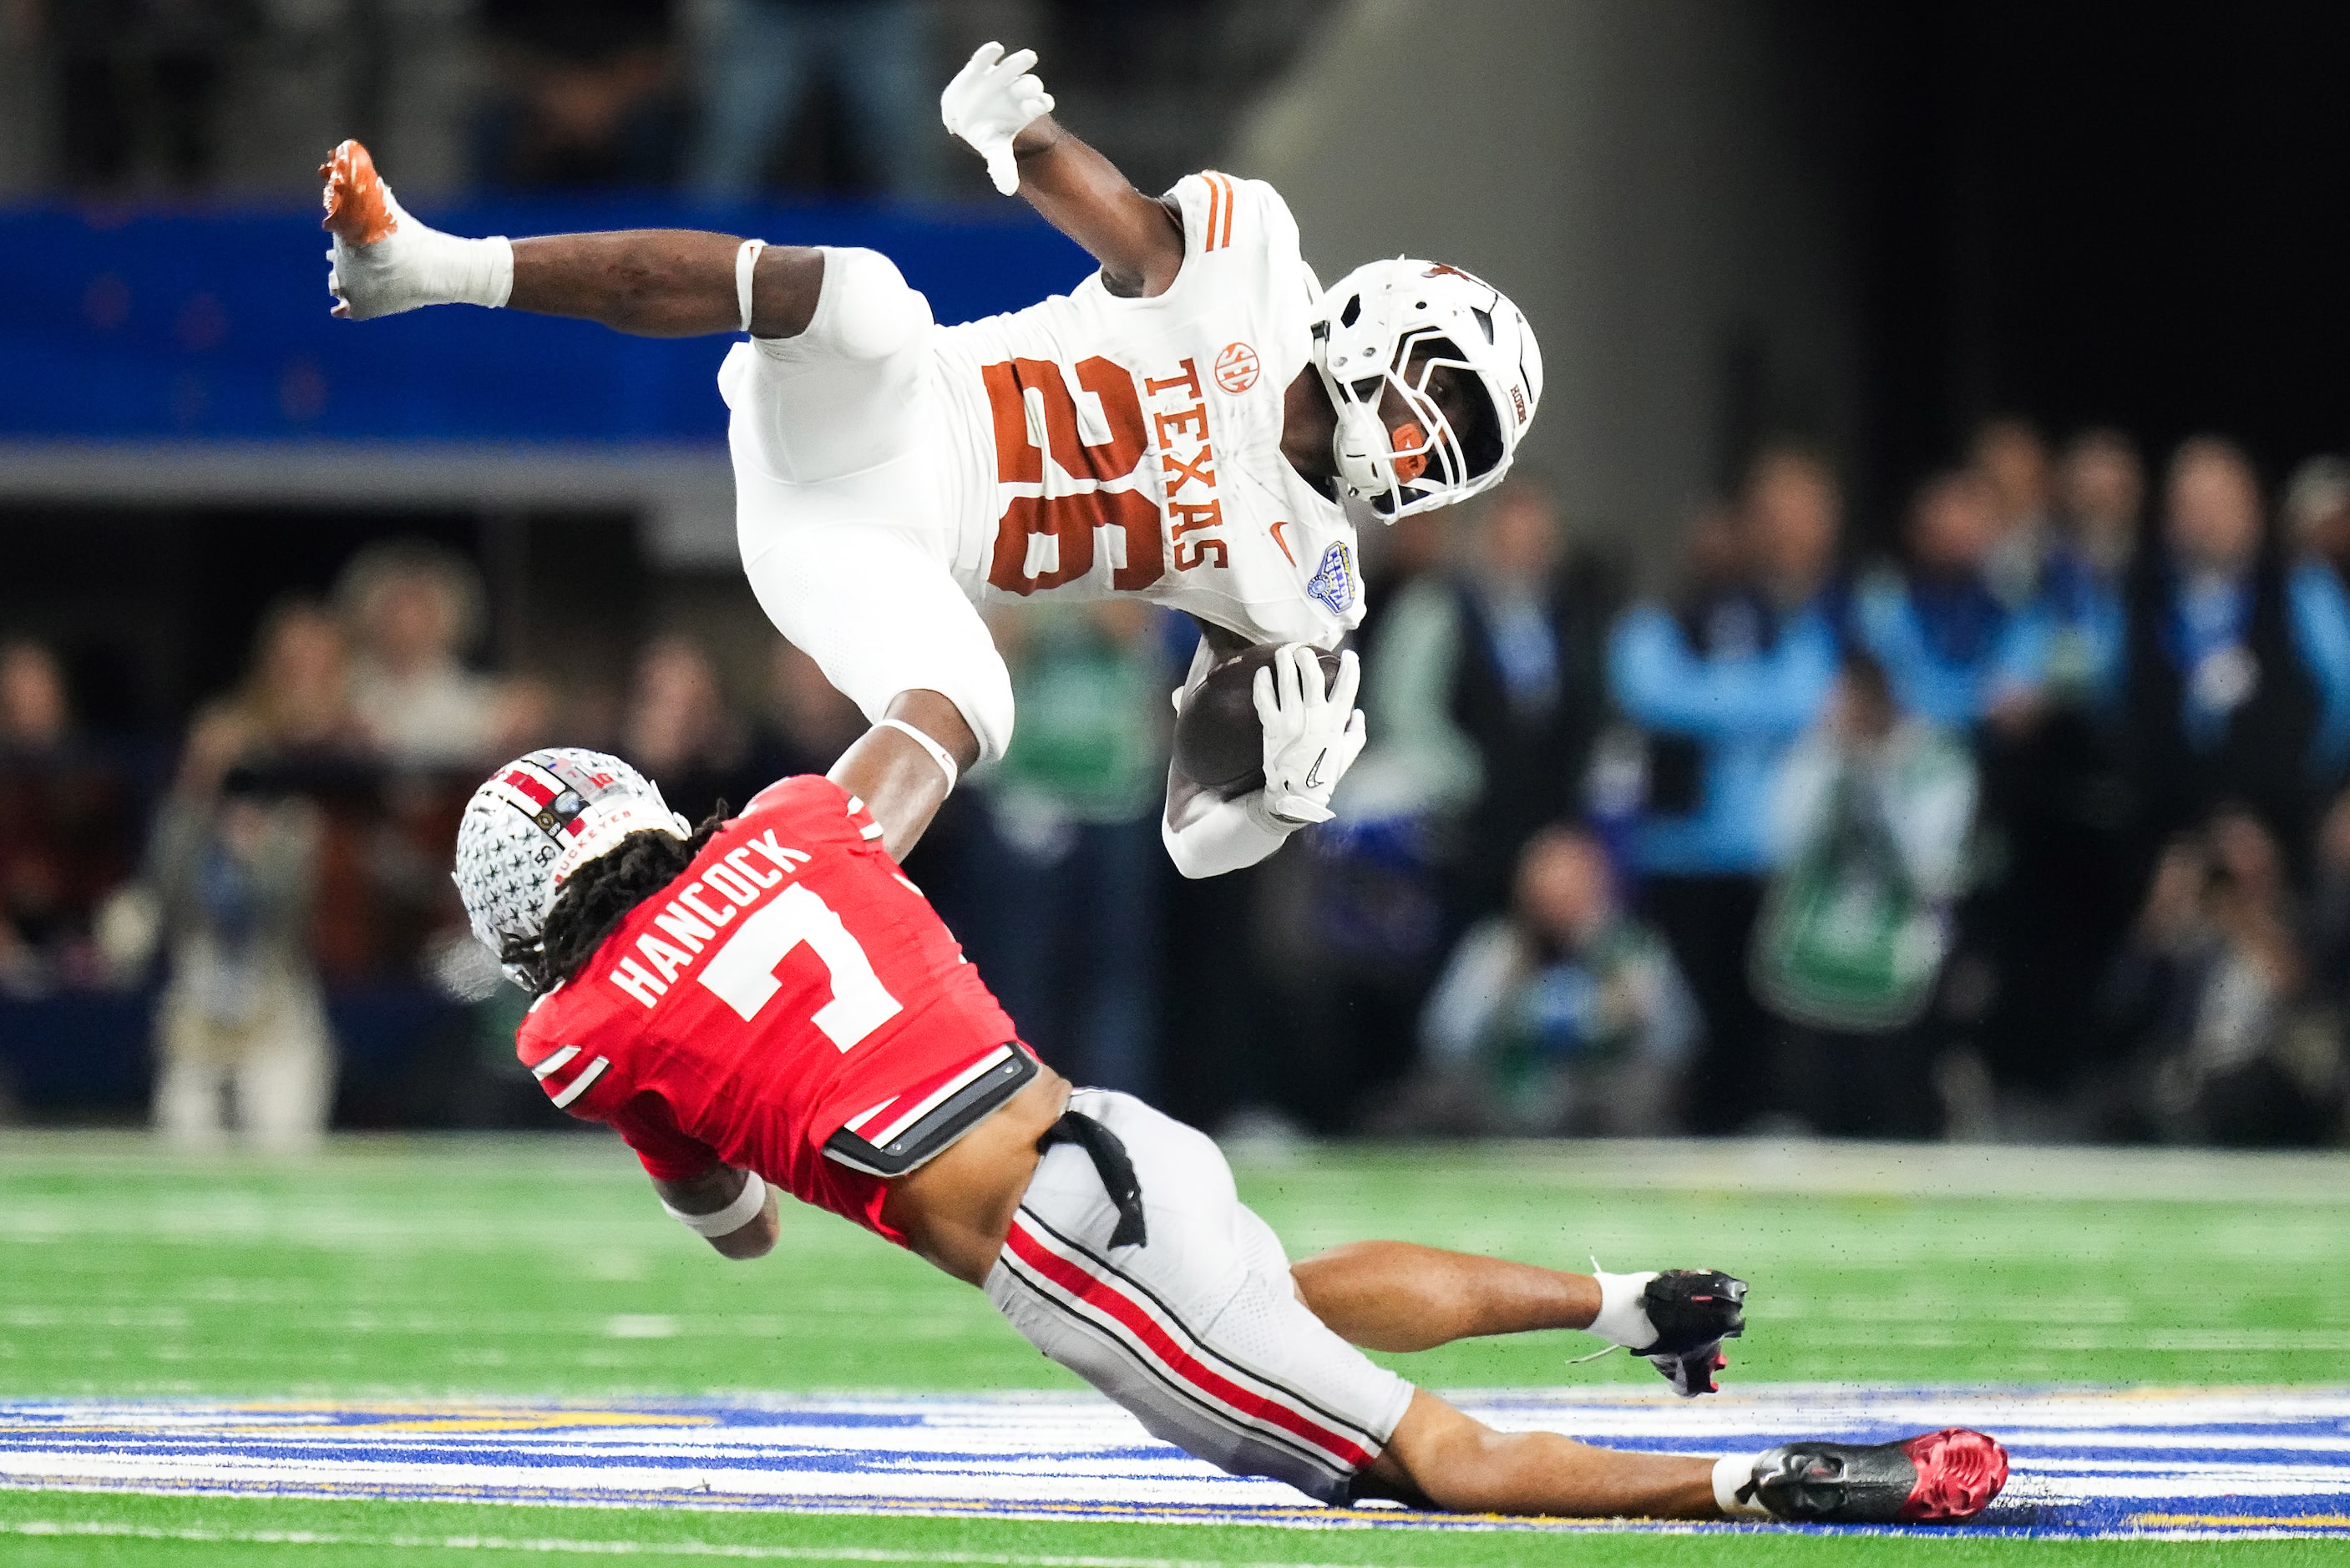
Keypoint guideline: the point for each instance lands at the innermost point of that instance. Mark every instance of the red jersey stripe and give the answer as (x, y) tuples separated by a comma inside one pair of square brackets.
[(1104, 1296)]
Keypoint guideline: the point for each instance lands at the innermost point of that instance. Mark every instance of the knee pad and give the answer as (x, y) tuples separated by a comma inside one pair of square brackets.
[(867, 310)]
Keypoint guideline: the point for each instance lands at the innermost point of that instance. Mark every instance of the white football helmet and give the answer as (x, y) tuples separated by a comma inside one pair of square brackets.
[(1371, 322), (538, 820)]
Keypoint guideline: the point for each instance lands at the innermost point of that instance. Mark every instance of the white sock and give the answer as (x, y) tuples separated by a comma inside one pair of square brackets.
[(1622, 1319), (1729, 1472), (416, 265)]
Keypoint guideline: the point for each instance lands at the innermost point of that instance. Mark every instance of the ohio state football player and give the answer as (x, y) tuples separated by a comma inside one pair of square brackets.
[(768, 1000)]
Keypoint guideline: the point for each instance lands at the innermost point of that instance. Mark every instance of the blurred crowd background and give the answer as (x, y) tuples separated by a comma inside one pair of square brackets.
[(1970, 766)]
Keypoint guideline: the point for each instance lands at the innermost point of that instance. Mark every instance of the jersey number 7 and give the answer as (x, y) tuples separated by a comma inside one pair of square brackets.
[(743, 970)]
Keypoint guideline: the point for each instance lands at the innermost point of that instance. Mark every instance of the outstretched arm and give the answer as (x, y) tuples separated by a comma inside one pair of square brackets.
[(995, 104), (1138, 239)]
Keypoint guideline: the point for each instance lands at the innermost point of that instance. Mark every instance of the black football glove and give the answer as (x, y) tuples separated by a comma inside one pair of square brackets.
[(1692, 1311)]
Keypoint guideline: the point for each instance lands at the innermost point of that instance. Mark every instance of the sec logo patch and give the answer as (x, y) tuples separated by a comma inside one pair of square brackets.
[(1236, 369)]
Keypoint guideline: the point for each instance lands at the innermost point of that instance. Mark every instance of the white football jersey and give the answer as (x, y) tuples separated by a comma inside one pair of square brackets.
[(1133, 446)]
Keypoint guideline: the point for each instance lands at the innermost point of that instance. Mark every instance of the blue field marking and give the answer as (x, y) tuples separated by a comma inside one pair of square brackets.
[(2163, 1463)]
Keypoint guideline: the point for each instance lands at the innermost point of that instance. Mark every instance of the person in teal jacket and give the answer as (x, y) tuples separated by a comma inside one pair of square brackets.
[(1722, 682)]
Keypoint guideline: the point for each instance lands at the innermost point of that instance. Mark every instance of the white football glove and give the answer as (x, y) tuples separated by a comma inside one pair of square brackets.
[(991, 100), (1311, 737)]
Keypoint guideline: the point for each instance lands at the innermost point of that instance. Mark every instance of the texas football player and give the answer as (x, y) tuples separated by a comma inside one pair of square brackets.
[(768, 999), (1199, 422)]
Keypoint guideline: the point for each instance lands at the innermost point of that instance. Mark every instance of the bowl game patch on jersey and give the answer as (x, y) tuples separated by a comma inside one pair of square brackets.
[(1333, 583)]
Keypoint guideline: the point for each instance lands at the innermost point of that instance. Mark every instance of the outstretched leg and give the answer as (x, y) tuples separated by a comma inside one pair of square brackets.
[(651, 283), (1442, 1458), (1395, 1296), (1399, 1297)]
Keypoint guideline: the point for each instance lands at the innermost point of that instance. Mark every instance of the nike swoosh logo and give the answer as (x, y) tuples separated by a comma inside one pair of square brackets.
[(1314, 774), (1275, 532)]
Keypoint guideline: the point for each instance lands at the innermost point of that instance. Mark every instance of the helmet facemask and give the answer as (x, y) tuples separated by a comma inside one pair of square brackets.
[(1424, 461)]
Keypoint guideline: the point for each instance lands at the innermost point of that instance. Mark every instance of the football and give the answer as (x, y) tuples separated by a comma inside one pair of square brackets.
[(1218, 740)]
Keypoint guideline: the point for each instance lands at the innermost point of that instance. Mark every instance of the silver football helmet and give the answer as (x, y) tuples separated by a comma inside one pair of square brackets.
[(538, 820)]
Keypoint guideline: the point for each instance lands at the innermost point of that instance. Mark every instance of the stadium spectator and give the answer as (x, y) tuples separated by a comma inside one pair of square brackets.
[(236, 866), (680, 731), (1418, 764), (2204, 998), (2053, 906), (411, 609), (807, 723), (65, 828), (2239, 665), (1565, 1015), (139, 85), (759, 59), (1526, 682), (2012, 459), (1723, 679), (1075, 900), (2317, 513), (1870, 817), (2101, 487), (2328, 922), (1953, 649), (583, 93)]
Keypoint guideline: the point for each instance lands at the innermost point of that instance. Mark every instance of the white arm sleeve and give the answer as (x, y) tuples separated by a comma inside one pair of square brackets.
[(1228, 836)]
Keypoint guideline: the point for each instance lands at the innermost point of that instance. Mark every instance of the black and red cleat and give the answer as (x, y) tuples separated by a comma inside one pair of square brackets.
[(1943, 1478), (1692, 1311)]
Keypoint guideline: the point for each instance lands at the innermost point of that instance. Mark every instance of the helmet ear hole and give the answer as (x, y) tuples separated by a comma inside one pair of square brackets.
[(1353, 312)]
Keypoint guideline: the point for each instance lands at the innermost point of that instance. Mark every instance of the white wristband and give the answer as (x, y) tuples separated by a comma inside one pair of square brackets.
[(733, 1217), (939, 753), (746, 259), (1623, 1317)]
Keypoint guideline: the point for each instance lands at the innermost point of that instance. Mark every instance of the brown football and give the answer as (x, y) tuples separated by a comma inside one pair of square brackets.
[(1218, 740)]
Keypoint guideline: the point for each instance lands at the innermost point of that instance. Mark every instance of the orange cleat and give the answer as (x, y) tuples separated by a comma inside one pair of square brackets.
[(358, 212)]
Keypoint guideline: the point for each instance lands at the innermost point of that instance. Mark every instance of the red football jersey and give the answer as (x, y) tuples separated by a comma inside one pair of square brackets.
[(790, 983)]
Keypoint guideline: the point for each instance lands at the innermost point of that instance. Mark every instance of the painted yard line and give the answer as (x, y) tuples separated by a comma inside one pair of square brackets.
[(2090, 1463)]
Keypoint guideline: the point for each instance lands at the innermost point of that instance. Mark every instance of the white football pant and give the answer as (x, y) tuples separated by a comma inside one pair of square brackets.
[(1198, 1331), (841, 451)]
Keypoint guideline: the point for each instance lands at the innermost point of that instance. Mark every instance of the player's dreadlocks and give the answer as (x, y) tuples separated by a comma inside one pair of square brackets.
[(598, 895)]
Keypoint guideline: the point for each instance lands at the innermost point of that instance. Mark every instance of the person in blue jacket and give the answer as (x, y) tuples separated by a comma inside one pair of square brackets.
[(2238, 660), (1723, 679), (1954, 650)]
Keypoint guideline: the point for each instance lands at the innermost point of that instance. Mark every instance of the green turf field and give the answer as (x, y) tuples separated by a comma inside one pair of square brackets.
[(438, 1267)]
